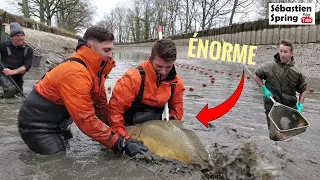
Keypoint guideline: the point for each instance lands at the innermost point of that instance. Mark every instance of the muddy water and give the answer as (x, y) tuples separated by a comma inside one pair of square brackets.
[(238, 141)]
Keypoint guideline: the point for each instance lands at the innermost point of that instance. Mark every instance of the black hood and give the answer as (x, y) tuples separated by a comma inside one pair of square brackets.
[(81, 42), (171, 76)]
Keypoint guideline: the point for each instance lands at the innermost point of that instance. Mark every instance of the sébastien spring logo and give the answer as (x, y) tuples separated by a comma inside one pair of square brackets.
[(291, 13)]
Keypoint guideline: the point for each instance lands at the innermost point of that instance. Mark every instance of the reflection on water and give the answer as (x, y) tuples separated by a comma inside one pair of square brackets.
[(235, 140), (131, 56)]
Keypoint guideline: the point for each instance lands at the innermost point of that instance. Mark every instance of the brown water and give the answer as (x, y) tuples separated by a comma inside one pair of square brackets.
[(238, 142)]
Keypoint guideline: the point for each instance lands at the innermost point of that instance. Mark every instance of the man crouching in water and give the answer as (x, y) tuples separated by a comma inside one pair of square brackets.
[(141, 93), (74, 88)]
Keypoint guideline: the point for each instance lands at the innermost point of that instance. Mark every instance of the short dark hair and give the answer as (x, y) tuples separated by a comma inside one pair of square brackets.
[(98, 33), (164, 48), (287, 43)]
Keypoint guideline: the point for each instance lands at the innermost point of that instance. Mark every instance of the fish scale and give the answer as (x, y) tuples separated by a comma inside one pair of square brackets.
[(170, 139), (184, 136)]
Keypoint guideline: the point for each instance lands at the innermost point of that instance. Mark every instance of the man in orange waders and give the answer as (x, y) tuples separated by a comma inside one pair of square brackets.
[(141, 93), (74, 88)]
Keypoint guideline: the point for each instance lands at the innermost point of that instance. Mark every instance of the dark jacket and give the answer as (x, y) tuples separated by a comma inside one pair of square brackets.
[(283, 80), (17, 59)]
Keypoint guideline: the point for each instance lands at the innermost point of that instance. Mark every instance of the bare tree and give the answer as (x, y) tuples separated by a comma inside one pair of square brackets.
[(119, 14), (75, 15), (22, 6), (141, 20), (189, 12), (43, 9), (129, 28), (47, 9), (137, 21), (160, 13), (262, 8), (25, 8), (173, 9), (108, 22), (211, 9), (119, 21), (240, 6)]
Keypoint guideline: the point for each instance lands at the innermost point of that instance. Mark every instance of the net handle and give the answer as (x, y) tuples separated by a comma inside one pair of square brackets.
[(274, 102)]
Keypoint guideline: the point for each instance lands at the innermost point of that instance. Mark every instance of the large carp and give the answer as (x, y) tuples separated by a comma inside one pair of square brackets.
[(170, 139)]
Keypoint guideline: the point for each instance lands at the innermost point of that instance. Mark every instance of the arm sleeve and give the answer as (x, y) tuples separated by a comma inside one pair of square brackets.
[(101, 106), (28, 59), (262, 72), (302, 86), (176, 102), (122, 97), (75, 93), (2, 48)]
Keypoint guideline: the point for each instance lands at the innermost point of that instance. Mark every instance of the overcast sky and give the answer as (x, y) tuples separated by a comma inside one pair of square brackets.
[(102, 6)]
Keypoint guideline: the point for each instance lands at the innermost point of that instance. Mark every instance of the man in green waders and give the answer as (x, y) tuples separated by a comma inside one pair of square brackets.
[(282, 80)]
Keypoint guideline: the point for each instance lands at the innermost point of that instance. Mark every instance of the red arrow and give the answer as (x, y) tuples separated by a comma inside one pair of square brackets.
[(206, 115)]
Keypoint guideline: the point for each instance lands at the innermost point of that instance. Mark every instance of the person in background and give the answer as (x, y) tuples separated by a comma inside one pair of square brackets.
[(16, 57), (282, 80)]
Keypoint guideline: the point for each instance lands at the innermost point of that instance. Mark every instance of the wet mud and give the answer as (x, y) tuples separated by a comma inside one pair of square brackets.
[(238, 142)]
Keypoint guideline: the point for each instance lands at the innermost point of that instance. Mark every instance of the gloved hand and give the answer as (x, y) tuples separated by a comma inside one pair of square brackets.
[(299, 107), (266, 92), (66, 132), (131, 146)]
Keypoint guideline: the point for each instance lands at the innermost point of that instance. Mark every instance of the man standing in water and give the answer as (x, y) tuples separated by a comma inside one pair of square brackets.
[(141, 93), (16, 56), (283, 80), (74, 88)]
